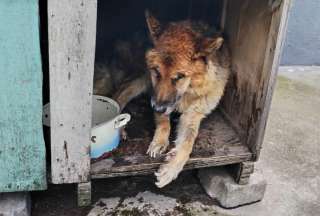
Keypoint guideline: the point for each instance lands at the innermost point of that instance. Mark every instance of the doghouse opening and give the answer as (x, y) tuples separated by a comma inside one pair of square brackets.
[(119, 24)]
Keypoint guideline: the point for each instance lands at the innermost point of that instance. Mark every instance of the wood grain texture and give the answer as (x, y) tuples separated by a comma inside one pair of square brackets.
[(223, 14), (253, 28), (22, 149), (72, 33), (217, 144), (276, 41), (84, 194), (244, 170)]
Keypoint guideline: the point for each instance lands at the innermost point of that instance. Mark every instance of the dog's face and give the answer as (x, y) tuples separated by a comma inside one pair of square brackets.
[(176, 62)]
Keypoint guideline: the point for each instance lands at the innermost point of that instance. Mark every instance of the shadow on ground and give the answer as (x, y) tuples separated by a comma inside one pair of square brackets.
[(290, 160), (61, 199)]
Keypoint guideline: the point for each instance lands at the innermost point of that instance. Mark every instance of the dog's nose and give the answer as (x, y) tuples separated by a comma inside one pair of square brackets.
[(159, 107)]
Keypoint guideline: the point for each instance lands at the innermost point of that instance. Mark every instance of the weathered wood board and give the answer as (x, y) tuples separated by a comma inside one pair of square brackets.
[(72, 33), (22, 149), (255, 30), (217, 144), (277, 35)]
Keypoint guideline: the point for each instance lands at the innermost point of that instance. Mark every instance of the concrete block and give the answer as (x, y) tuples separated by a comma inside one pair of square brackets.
[(219, 184), (15, 204)]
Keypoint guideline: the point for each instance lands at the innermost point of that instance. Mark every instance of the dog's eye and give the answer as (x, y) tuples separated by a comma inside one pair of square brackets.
[(155, 72), (177, 78)]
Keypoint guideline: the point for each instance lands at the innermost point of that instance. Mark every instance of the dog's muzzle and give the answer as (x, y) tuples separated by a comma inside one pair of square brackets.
[(163, 107)]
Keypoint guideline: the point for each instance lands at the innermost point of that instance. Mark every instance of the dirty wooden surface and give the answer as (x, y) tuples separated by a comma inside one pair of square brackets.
[(72, 33), (217, 144), (84, 194), (22, 149), (276, 41), (253, 28)]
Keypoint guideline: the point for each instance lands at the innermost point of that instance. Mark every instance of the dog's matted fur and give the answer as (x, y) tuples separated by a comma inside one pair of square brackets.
[(188, 70)]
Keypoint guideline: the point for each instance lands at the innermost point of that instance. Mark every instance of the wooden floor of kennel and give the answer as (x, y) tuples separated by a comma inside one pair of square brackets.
[(255, 31)]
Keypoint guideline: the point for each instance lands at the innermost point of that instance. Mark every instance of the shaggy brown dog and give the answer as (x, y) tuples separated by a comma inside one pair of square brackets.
[(188, 73)]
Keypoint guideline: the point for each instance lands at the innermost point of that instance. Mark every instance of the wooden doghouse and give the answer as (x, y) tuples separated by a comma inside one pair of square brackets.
[(231, 135)]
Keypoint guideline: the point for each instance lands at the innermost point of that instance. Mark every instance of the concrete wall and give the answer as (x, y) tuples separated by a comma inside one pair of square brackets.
[(302, 45)]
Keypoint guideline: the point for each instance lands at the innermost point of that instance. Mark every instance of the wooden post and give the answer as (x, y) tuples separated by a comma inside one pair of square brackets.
[(72, 33), (244, 170), (84, 194), (224, 14)]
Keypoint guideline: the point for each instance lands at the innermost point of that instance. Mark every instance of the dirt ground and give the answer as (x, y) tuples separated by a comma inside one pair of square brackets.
[(289, 159), (60, 200)]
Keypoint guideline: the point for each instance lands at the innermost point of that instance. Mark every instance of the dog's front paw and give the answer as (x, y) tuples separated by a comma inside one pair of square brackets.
[(170, 171), (156, 148)]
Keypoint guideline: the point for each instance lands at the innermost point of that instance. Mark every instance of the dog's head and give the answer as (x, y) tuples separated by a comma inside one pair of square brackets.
[(177, 61)]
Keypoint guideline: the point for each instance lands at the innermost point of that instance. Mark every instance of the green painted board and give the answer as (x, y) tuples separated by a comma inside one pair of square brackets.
[(22, 149)]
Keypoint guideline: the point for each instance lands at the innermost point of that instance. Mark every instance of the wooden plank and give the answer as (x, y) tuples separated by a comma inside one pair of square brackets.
[(223, 14), (276, 41), (244, 170), (143, 168), (72, 33), (252, 27), (22, 148), (84, 194), (217, 144)]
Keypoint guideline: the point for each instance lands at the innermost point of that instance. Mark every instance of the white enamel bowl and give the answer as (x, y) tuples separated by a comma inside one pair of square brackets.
[(106, 124)]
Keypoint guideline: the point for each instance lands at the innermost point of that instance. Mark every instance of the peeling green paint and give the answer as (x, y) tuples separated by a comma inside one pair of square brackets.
[(22, 149)]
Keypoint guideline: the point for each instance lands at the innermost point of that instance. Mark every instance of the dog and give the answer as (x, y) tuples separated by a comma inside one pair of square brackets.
[(188, 68), (125, 63)]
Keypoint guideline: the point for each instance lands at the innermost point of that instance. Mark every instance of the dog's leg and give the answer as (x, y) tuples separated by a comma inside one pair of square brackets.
[(130, 90), (187, 132), (160, 139), (127, 92)]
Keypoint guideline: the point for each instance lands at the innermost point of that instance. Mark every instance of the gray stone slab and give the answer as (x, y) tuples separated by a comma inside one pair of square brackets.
[(219, 184), (15, 204)]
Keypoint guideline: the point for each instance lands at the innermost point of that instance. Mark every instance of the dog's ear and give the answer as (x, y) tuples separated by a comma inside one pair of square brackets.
[(206, 46), (154, 26)]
